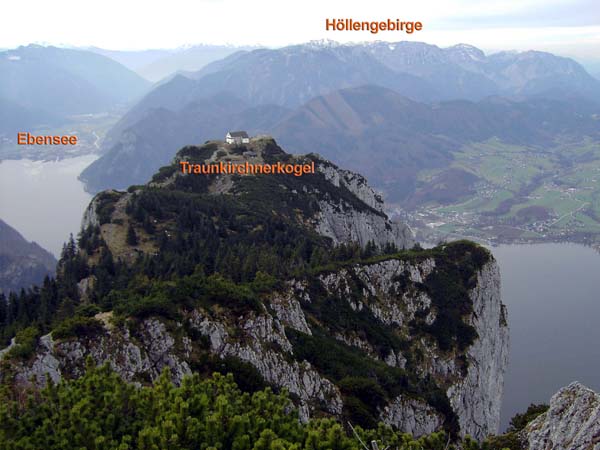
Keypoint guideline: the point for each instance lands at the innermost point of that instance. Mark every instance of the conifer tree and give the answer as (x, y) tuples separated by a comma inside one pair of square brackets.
[(132, 238), (101, 411)]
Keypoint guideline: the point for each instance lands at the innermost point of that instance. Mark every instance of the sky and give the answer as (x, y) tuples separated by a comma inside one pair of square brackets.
[(570, 28)]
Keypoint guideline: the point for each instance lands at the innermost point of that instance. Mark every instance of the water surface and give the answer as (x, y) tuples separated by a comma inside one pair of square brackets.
[(44, 200), (553, 296)]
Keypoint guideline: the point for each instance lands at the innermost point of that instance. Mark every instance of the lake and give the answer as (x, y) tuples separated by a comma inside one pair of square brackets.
[(552, 292), (44, 200)]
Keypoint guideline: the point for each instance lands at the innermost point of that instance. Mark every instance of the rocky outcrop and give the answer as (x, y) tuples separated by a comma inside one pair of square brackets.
[(299, 378), (354, 182), (90, 215), (391, 292), (287, 307), (412, 416), (572, 422), (344, 224), (260, 341), (388, 290), (134, 358)]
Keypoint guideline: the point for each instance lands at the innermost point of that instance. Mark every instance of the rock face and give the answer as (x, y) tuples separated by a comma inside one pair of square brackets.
[(298, 377), (90, 215), (387, 290), (135, 358), (412, 416), (344, 223), (478, 396), (354, 182), (571, 423)]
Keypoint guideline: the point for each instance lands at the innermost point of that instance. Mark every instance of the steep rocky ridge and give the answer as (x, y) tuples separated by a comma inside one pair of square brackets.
[(261, 340), (239, 273)]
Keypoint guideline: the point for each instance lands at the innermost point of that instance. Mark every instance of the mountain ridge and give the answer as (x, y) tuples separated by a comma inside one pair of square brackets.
[(301, 283), (370, 128), (157, 64), (60, 82), (22, 263)]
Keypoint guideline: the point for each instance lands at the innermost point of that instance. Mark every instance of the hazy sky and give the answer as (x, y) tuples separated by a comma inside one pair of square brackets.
[(566, 27)]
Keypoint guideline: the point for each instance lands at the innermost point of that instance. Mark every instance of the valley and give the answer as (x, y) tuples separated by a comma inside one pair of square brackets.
[(518, 194), (90, 129)]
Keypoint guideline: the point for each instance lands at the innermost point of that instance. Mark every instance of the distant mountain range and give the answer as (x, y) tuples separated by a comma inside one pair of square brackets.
[(464, 71), (132, 59), (15, 117), (387, 109), (42, 85), (291, 76), (22, 263), (389, 137), (154, 65)]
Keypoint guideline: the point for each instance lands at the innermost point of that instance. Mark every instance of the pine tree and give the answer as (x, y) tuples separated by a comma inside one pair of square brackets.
[(148, 226), (131, 235)]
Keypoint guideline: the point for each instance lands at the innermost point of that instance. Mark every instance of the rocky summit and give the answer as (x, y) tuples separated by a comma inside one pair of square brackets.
[(298, 283)]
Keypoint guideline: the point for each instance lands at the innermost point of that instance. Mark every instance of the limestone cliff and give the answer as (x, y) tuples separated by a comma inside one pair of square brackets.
[(475, 395), (571, 423), (478, 396), (342, 223)]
